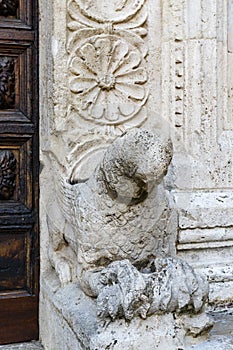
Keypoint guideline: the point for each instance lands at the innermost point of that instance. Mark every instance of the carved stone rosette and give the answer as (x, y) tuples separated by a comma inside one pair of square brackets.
[(108, 78), (7, 174), (8, 7), (7, 83)]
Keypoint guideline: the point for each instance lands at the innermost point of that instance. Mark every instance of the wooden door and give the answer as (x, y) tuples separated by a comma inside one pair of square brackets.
[(19, 257)]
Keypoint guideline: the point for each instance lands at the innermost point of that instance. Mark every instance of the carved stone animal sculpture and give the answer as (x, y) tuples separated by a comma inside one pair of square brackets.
[(124, 231)]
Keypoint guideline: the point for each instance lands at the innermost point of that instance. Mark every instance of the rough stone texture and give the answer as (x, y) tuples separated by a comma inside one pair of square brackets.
[(216, 343), (68, 320), (67, 312), (23, 346), (172, 286), (121, 211), (120, 217), (220, 337), (187, 91), (197, 73), (109, 66), (119, 248)]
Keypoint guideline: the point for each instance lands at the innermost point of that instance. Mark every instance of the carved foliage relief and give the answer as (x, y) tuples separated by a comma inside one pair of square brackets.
[(108, 79), (7, 83), (7, 174), (8, 7)]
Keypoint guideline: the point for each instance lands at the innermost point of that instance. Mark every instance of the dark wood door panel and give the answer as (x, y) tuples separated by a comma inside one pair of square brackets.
[(16, 35), (16, 78), (19, 163), (16, 257), (17, 14), (13, 262), (7, 82), (16, 169), (19, 319)]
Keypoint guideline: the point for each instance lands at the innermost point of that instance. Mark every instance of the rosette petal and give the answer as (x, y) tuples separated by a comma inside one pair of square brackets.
[(98, 107), (103, 48), (131, 90), (106, 106), (132, 60), (137, 75), (88, 97), (90, 56), (125, 106), (112, 110), (82, 86), (79, 67), (119, 52)]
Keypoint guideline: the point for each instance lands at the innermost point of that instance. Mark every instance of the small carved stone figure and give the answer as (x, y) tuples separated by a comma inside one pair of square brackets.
[(8, 7), (7, 83), (7, 174), (124, 232)]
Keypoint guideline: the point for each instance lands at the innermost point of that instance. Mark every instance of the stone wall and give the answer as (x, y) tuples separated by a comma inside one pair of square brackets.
[(106, 67), (203, 169)]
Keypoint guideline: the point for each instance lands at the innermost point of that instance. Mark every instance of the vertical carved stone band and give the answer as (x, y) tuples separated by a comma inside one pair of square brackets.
[(8, 7), (7, 82), (107, 49), (7, 174)]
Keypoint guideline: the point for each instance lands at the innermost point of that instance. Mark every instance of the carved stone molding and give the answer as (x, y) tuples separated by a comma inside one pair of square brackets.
[(179, 84), (83, 25), (8, 7), (7, 83), (87, 154), (229, 118), (115, 11), (7, 174), (108, 78)]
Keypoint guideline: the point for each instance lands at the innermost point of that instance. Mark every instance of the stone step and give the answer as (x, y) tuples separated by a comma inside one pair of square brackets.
[(23, 346), (221, 335)]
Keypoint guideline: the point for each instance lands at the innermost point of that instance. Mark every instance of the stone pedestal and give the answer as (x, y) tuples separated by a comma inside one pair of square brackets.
[(68, 321)]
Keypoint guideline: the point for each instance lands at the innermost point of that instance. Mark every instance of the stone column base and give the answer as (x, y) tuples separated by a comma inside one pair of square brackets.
[(68, 321)]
